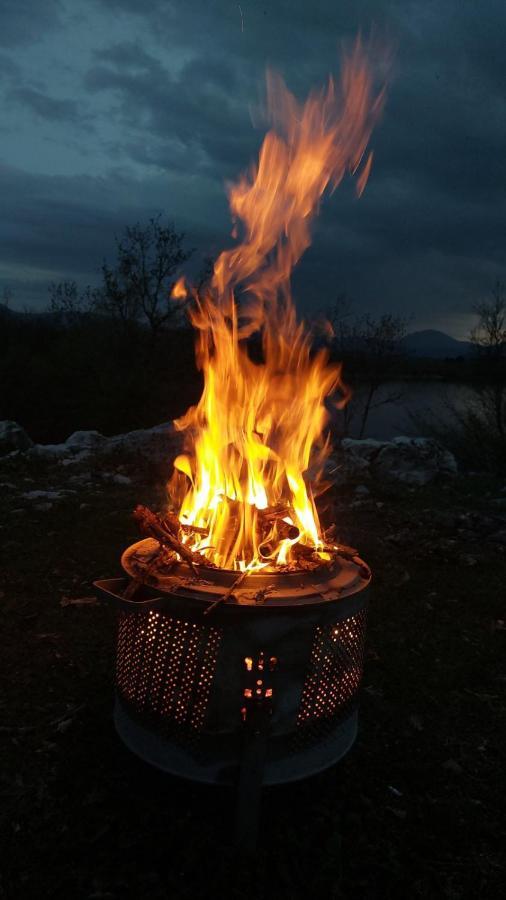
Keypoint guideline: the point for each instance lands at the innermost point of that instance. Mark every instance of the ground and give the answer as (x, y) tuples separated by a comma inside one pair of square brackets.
[(416, 808)]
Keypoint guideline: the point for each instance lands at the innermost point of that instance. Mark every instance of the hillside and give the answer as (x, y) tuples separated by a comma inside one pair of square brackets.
[(435, 344)]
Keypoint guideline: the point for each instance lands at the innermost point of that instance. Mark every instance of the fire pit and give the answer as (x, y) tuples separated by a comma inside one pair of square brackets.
[(190, 685), (241, 625)]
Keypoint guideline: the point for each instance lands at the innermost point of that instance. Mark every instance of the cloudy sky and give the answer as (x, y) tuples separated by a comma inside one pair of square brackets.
[(115, 110)]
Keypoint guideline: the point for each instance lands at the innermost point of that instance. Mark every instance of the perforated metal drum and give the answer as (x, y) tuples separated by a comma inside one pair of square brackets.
[(287, 648)]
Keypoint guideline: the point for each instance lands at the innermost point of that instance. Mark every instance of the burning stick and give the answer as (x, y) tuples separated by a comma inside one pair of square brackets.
[(172, 522), (270, 513), (303, 551), (272, 517), (228, 593), (153, 526)]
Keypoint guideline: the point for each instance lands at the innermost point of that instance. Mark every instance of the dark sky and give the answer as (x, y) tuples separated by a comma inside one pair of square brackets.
[(114, 110)]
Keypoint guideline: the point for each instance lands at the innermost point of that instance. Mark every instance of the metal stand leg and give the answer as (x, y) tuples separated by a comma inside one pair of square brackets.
[(249, 790), (256, 715)]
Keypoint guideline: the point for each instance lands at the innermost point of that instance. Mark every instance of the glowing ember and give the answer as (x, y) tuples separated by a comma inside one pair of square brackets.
[(255, 443)]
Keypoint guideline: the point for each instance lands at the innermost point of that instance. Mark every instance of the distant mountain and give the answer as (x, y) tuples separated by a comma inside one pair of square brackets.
[(435, 344)]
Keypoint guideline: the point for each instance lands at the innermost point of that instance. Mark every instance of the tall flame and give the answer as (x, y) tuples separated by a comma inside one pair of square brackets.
[(255, 441)]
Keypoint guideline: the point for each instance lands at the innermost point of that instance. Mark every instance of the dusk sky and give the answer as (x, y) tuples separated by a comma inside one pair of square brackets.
[(115, 110)]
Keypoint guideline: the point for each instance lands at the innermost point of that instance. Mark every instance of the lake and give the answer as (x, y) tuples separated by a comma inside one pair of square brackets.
[(388, 420)]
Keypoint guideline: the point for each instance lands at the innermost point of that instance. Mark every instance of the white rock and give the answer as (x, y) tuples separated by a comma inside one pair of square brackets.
[(414, 461), (411, 461), (46, 495), (13, 437), (121, 479), (48, 451), (81, 440)]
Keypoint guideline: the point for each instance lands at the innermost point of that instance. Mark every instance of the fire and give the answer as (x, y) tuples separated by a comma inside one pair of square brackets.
[(255, 443)]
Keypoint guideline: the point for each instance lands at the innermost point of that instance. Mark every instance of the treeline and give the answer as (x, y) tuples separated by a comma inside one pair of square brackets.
[(57, 378), (120, 355), (111, 358)]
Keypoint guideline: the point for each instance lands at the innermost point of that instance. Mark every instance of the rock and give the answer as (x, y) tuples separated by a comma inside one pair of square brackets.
[(74, 460), (13, 437), (158, 444), (412, 461), (362, 490), (451, 765), (49, 451), (467, 560), (499, 537), (121, 479), (46, 495), (357, 456), (85, 440)]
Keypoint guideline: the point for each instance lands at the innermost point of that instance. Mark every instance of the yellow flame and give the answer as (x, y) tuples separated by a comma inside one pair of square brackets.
[(259, 425)]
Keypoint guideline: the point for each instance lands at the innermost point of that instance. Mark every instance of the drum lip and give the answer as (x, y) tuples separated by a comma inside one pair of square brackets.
[(258, 590)]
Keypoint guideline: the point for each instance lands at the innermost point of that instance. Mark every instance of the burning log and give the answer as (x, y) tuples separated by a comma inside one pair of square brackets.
[(345, 551), (271, 513), (274, 517), (285, 530), (266, 549), (152, 525), (171, 521), (302, 551)]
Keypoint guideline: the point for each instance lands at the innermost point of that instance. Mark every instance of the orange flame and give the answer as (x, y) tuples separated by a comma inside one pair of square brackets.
[(256, 438), (179, 290)]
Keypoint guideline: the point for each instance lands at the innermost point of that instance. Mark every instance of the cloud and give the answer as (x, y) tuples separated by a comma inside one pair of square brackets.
[(65, 226), (45, 107), (25, 21), (171, 86), (193, 107)]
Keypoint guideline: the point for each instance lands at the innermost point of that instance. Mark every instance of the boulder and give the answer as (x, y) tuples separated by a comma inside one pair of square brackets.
[(13, 437), (85, 440), (158, 444), (411, 461), (356, 458), (414, 461)]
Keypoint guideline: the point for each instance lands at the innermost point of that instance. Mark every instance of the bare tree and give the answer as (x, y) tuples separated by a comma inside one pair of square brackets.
[(71, 304), (489, 339), (371, 349), (139, 285)]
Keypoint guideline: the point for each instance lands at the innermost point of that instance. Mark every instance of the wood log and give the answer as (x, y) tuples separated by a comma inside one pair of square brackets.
[(173, 524), (302, 551), (285, 530), (151, 525), (274, 512)]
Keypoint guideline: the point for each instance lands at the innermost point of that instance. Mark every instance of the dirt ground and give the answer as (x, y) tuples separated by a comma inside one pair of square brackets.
[(415, 810)]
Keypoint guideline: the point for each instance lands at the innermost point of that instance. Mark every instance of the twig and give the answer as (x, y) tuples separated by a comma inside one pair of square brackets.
[(8, 729), (228, 593), (153, 526)]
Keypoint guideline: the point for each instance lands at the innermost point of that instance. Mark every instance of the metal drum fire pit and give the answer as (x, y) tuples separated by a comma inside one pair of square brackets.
[(262, 691)]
